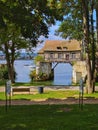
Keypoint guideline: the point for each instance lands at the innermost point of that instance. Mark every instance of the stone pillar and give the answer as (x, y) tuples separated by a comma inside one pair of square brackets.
[(37, 68), (45, 68)]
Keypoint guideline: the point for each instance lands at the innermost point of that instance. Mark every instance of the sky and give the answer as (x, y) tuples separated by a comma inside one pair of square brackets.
[(51, 36)]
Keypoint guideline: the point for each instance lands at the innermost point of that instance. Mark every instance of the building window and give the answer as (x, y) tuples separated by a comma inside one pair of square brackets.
[(67, 56), (51, 55), (73, 55), (59, 55)]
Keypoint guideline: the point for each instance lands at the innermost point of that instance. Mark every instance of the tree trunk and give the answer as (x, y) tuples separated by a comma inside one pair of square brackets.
[(89, 88), (93, 46), (10, 64), (97, 22)]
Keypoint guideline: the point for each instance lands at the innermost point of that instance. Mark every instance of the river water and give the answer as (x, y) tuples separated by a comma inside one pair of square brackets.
[(62, 72)]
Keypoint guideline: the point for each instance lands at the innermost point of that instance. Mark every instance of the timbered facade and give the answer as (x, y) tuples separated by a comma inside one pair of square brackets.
[(61, 51)]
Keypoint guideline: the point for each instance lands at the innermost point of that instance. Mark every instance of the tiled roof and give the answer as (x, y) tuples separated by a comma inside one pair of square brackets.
[(61, 45)]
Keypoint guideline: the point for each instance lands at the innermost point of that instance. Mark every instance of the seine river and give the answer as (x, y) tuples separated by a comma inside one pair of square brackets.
[(62, 72)]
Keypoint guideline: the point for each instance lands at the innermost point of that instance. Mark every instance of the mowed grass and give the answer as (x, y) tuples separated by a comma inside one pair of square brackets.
[(49, 117), (58, 94)]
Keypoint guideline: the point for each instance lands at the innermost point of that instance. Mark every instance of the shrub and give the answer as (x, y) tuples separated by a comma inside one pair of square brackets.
[(33, 74), (4, 73), (39, 77), (38, 59)]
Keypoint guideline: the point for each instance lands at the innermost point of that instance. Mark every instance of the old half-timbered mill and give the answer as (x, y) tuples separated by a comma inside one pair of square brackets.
[(59, 51)]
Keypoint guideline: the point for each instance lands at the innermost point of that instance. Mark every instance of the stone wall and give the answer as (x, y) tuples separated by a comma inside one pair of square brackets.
[(79, 70), (44, 68)]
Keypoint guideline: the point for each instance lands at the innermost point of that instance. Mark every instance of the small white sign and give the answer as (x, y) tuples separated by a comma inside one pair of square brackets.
[(8, 87)]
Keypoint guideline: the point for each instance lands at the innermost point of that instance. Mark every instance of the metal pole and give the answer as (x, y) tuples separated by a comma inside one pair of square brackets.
[(6, 97), (9, 100), (81, 94)]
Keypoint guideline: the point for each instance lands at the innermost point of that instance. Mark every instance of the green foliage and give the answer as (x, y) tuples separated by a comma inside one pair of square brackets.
[(68, 29), (22, 23), (40, 77), (32, 74), (35, 83), (71, 27), (3, 73), (84, 56), (39, 59), (51, 76), (32, 17), (73, 63), (79, 23)]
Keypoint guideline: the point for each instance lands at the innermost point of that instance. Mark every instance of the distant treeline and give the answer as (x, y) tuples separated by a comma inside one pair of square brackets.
[(20, 56)]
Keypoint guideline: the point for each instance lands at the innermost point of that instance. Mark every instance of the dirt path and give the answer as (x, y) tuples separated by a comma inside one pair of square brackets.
[(51, 101)]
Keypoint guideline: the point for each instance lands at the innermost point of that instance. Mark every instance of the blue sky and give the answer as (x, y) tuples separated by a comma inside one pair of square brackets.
[(51, 36), (52, 32)]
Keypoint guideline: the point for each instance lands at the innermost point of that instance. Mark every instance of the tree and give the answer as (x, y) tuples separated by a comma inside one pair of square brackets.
[(22, 22), (79, 24), (96, 8), (10, 41)]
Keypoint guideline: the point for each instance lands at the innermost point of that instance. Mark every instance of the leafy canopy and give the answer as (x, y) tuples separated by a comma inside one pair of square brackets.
[(33, 17)]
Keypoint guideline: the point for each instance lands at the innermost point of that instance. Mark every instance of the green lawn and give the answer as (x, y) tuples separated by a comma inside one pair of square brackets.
[(35, 83), (47, 94), (44, 83), (58, 94), (49, 117)]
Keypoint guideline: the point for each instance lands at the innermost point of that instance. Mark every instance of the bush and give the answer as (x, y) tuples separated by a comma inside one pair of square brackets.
[(38, 59), (40, 77), (33, 74), (4, 73)]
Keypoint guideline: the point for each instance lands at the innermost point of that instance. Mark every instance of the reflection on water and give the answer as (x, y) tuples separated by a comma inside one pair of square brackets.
[(62, 72)]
